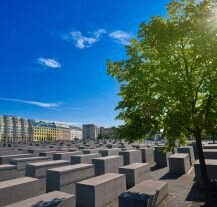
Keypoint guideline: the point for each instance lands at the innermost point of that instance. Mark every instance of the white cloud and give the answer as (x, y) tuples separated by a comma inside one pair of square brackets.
[(48, 62), (65, 122), (53, 106), (121, 36), (82, 41)]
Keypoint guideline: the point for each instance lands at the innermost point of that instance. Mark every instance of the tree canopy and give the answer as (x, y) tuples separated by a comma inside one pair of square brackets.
[(169, 80)]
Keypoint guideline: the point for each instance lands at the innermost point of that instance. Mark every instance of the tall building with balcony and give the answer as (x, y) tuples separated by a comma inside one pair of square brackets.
[(15, 129), (90, 131)]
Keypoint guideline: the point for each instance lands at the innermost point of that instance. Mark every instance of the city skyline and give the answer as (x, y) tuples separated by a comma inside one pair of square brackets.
[(53, 67)]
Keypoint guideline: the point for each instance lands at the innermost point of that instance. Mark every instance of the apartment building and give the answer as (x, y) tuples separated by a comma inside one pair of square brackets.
[(15, 129), (76, 133), (90, 131), (63, 132), (44, 131)]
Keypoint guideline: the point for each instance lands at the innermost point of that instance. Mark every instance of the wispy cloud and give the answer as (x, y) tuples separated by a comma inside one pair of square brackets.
[(48, 62), (65, 122), (82, 41), (53, 106), (121, 37)]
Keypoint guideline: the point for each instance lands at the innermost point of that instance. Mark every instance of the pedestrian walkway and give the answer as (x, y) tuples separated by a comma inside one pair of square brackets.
[(182, 189)]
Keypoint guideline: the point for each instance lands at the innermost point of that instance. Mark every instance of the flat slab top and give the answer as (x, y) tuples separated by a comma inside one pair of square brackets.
[(144, 190), (16, 155), (113, 149), (7, 167), (49, 152), (44, 197), (53, 162), (71, 168), (29, 158), (147, 187), (17, 181), (86, 155), (135, 165), (128, 151), (210, 145), (107, 157), (65, 153), (100, 179), (179, 155), (208, 162), (210, 150)]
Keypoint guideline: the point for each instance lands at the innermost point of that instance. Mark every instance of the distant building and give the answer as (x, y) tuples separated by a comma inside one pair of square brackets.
[(108, 132), (76, 133), (63, 132), (44, 131), (51, 131), (15, 129), (90, 131)]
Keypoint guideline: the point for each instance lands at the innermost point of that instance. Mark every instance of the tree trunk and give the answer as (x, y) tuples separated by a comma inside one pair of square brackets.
[(213, 138), (203, 169)]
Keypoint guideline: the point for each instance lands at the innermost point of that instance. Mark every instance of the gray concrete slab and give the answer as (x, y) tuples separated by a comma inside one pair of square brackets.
[(5, 159), (15, 190), (100, 191), (131, 156), (86, 158), (135, 173), (64, 178), (65, 155), (108, 164), (7, 172), (55, 198), (145, 194), (179, 163)]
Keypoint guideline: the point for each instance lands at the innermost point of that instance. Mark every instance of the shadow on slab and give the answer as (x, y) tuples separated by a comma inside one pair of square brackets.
[(53, 203)]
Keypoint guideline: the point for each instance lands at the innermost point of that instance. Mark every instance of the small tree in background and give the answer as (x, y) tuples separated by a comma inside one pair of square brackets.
[(169, 80)]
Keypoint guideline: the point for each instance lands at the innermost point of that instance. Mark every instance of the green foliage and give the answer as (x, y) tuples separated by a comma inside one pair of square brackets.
[(169, 80), (103, 136)]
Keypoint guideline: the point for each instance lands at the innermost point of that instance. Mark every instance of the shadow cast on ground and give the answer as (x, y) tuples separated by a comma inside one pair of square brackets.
[(195, 194), (170, 176)]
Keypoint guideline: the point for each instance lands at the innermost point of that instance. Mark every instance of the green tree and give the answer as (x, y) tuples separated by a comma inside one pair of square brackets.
[(169, 80)]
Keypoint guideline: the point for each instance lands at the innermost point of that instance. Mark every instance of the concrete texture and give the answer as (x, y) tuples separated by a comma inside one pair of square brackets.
[(211, 166), (65, 155), (189, 150), (131, 156), (109, 152), (15, 190), (161, 157), (7, 172), (109, 164), (5, 159), (39, 170), (100, 191), (64, 178), (135, 173), (147, 155), (87, 158), (145, 194), (55, 198), (210, 153), (179, 163)]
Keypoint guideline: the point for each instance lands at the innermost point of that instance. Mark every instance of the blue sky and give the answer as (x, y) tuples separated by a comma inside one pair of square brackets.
[(53, 56)]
